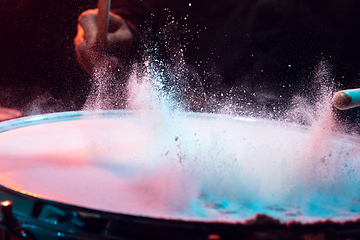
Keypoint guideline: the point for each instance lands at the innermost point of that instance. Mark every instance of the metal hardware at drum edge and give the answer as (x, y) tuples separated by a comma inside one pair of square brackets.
[(9, 225)]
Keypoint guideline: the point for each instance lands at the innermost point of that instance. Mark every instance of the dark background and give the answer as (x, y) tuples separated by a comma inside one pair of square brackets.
[(39, 72), (38, 68)]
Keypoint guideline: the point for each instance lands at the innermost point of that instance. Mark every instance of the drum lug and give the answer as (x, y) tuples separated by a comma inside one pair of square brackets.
[(54, 215)]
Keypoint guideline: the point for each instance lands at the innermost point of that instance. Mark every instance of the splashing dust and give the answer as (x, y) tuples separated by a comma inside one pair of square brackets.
[(293, 168), (107, 91)]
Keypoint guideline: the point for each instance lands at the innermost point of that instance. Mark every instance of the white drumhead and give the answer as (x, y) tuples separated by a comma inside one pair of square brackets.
[(189, 166)]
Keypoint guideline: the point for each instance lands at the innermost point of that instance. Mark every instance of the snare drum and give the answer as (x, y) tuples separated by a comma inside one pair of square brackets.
[(130, 175)]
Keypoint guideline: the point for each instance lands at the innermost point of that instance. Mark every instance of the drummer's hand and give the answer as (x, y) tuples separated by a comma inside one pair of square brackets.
[(86, 45)]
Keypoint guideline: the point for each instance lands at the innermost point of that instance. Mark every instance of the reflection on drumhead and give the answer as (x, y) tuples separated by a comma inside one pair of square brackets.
[(193, 166)]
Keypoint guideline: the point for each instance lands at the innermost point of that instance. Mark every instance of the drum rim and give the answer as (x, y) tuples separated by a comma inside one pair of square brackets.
[(89, 114)]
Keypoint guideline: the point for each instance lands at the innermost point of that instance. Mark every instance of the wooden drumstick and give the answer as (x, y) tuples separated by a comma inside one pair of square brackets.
[(346, 99), (103, 22)]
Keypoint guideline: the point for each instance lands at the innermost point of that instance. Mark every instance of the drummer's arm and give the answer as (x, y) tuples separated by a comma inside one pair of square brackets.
[(86, 45), (124, 28)]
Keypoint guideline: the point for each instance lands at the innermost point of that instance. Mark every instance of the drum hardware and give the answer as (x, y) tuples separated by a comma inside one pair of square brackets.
[(55, 215), (6, 217), (9, 226)]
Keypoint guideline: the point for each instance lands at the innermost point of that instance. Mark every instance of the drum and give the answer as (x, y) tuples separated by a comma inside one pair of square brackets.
[(149, 175)]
